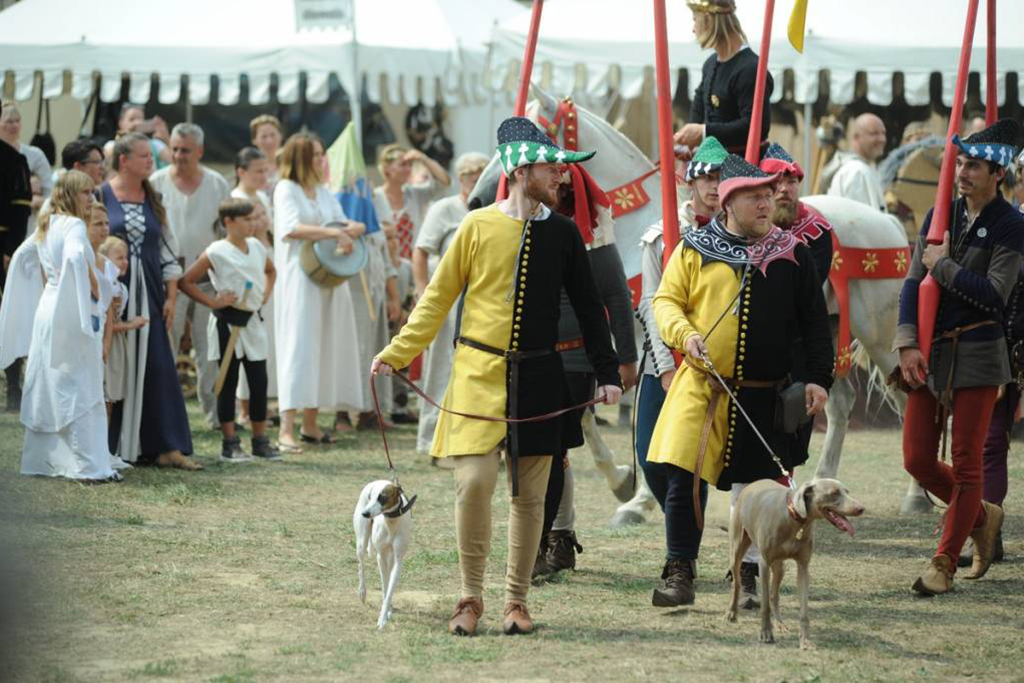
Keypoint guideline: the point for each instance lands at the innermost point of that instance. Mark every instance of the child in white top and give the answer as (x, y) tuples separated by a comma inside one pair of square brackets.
[(243, 277), (114, 251)]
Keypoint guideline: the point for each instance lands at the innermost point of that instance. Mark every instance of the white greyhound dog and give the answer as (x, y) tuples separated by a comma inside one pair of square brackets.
[(873, 303), (383, 527)]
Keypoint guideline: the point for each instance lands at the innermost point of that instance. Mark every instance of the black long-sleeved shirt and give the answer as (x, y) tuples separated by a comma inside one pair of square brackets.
[(724, 100)]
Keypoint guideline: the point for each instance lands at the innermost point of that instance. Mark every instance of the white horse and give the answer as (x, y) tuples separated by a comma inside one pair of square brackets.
[(873, 303)]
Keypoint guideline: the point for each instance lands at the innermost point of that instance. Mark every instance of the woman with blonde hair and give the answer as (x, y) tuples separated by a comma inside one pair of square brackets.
[(150, 425), (315, 359), (62, 408), (724, 100)]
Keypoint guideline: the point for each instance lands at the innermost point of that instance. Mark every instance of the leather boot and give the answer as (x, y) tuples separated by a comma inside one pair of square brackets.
[(562, 549), (938, 578), (677, 589), (467, 615), (540, 565), (748, 586), (517, 620), (984, 538)]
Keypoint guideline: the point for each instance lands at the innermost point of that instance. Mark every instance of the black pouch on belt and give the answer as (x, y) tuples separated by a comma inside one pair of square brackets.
[(235, 317), (791, 408)]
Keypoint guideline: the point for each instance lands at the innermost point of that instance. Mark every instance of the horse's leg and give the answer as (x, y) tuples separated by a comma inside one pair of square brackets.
[(619, 477), (840, 403), (633, 511)]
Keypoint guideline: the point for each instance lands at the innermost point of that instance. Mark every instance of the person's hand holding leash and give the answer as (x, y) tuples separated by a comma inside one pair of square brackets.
[(379, 367), (694, 347), (612, 393)]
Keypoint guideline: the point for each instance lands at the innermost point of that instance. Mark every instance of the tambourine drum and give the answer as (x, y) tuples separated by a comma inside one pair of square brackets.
[(329, 268)]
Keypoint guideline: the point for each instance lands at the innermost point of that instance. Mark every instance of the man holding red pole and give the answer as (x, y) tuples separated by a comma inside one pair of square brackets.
[(976, 267)]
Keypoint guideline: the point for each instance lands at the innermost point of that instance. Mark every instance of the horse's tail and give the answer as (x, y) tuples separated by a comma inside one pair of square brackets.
[(876, 385)]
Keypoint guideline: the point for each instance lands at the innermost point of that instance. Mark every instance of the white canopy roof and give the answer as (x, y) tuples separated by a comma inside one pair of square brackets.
[(584, 41), (407, 41)]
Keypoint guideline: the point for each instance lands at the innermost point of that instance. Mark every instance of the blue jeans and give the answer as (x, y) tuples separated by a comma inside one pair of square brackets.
[(649, 401)]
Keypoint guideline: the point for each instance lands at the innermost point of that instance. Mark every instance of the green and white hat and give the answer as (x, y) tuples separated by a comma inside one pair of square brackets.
[(522, 143), (707, 159)]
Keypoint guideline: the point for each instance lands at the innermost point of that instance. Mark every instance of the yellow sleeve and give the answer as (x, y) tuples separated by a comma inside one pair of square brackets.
[(671, 301), (432, 309)]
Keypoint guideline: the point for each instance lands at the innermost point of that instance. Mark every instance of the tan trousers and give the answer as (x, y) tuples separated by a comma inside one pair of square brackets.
[(475, 479)]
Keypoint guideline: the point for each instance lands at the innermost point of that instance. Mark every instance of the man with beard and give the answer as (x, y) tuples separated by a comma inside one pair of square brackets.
[(509, 261), (659, 365), (735, 297)]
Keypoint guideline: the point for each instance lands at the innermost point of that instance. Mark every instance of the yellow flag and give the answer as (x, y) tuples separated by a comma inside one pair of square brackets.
[(797, 21)]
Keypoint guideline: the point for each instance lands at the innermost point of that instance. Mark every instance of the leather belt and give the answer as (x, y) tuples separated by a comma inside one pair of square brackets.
[(717, 391), (513, 358), (569, 345)]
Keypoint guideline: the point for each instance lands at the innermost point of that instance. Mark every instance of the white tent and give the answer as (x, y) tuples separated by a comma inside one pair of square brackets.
[(414, 43), (585, 45)]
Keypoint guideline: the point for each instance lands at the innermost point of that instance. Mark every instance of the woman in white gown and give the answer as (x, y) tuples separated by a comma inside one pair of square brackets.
[(315, 362), (62, 408)]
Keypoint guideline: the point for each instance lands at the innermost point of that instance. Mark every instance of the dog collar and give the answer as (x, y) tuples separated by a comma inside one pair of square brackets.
[(793, 513), (401, 509)]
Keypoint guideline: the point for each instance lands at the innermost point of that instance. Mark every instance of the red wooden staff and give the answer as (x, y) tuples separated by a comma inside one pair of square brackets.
[(525, 73), (757, 112), (928, 294), (991, 102), (666, 152)]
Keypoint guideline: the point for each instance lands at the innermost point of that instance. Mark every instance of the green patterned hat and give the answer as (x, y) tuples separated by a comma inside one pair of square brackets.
[(707, 159), (522, 143)]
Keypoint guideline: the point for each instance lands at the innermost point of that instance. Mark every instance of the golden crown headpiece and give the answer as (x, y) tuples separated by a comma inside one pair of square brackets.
[(711, 6)]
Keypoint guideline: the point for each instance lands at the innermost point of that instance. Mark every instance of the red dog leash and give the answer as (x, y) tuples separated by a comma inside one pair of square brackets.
[(471, 416)]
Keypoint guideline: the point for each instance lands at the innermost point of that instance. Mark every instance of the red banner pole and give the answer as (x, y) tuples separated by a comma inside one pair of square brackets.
[(928, 294), (666, 151), (757, 111), (991, 99), (523, 94)]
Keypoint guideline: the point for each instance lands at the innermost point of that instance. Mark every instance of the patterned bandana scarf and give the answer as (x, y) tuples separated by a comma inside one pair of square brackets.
[(715, 243)]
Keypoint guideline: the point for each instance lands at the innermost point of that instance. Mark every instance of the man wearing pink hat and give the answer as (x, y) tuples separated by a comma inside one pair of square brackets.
[(734, 297)]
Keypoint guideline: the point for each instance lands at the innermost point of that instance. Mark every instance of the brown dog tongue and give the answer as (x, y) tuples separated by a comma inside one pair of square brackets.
[(840, 522)]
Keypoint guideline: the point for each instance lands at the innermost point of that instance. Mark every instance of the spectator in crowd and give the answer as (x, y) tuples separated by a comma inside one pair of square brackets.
[(314, 327), (243, 279), (439, 226), (857, 177), (63, 412), (15, 212), (10, 132), (252, 170), (401, 203), (266, 134), (86, 156), (133, 120), (151, 424), (191, 194)]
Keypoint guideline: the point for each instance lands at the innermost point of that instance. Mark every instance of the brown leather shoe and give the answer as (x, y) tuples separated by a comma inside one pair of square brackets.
[(467, 614), (984, 538), (938, 578), (517, 619), (176, 460)]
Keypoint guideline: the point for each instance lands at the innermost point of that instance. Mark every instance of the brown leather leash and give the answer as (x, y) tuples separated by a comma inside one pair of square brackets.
[(471, 416)]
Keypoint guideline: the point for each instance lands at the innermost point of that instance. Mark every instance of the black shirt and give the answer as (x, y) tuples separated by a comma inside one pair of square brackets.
[(724, 99)]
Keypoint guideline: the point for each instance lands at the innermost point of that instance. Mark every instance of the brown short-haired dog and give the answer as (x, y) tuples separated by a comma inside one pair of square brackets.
[(780, 522)]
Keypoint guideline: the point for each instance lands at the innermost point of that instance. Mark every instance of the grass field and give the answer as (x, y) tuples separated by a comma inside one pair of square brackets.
[(247, 573)]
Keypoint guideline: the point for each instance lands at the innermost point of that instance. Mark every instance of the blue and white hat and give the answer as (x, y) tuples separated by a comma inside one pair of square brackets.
[(998, 143)]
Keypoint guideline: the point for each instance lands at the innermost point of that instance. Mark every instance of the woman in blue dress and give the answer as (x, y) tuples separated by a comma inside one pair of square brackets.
[(150, 425)]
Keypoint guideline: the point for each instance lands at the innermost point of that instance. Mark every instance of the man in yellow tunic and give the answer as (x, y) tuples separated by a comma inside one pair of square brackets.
[(737, 294), (509, 261)]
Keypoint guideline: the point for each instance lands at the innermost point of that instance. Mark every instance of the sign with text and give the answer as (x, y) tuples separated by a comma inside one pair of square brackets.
[(322, 14)]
